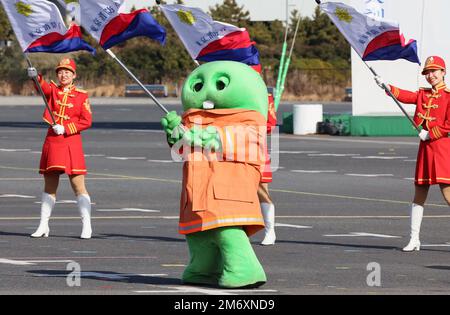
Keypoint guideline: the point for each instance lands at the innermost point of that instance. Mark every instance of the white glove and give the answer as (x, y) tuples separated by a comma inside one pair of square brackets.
[(379, 81), (32, 73), (424, 135), (58, 129)]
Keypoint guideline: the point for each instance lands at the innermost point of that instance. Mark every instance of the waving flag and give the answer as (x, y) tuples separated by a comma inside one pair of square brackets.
[(372, 38), (209, 40), (106, 21), (39, 27)]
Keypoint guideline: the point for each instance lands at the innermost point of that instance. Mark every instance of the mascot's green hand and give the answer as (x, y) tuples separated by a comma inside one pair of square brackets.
[(207, 138), (211, 139), (171, 124), (193, 137)]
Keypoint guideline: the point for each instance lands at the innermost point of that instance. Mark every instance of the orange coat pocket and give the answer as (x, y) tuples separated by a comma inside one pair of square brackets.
[(232, 193)]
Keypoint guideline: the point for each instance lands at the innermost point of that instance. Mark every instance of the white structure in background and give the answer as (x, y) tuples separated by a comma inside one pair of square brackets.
[(306, 118), (428, 23)]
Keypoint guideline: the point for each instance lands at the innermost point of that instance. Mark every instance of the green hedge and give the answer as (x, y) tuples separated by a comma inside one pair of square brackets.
[(362, 126)]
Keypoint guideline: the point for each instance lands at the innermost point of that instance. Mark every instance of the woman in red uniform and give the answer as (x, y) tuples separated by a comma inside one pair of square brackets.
[(62, 151), (433, 159), (267, 206)]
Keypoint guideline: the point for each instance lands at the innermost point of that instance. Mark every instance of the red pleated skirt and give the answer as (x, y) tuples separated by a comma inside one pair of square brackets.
[(433, 162), (63, 154)]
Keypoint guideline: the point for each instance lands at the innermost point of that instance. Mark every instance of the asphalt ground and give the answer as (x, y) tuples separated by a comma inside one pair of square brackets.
[(342, 206)]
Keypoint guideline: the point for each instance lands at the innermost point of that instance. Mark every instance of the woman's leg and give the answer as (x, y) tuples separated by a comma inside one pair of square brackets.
[(84, 203), (51, 181), (268, 212), (78, 185), (445, 190), (420, 196)]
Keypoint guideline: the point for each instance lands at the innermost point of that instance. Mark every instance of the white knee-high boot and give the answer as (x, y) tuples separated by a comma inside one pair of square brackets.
[(48, 202), (268, 212), (416, 221), (84, 206)]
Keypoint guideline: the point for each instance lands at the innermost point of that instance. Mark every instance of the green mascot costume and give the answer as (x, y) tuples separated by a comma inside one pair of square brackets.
[(221, 137)]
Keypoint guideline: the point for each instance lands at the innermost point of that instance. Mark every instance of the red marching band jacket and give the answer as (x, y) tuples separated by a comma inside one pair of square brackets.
[(433, 114), (71, 109), (271, 124), (431, 111)]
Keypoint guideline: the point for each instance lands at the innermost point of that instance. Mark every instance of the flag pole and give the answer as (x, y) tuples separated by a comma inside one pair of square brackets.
[(110, 53), (137, 81), (35, 80), (283, 56), (41, 92), (286, 67), (388, 90), (161, 106)]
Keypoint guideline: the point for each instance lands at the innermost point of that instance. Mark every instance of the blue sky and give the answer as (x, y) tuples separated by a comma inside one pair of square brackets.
[(259, 9)]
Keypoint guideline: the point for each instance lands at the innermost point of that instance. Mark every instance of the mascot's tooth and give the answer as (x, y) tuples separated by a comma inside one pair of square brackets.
[(208, 105)]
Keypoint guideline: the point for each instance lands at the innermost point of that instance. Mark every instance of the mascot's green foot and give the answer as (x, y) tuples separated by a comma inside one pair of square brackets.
[(241, 267), (205, 266), (223, 257)]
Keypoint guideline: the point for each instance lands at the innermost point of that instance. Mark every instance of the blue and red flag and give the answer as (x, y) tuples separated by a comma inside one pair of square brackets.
[(108, 23), (209, 40), (372, 38), (39, 27), (57, 43), (236, 46)]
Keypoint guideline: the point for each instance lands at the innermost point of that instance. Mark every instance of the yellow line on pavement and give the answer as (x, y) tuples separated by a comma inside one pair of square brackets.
[(40, 179), (93, 218), (109, 176), (351, 197), (124, 177), (358, 217), (342, 217)]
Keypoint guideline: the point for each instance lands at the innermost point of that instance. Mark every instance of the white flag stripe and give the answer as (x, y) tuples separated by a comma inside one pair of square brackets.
[(195, 28), (95, 15), (359, 29)]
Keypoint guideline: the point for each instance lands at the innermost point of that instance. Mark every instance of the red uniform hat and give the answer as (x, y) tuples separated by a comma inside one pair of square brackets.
[(434, 63), (68, 64)]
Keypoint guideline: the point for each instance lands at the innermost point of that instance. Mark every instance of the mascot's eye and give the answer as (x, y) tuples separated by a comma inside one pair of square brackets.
[(198, 86), (222, 83)]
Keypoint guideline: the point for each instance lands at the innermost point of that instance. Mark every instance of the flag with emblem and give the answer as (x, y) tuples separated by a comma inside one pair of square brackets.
[(372, 38), (108, 23), (209, 40), (39, 27)]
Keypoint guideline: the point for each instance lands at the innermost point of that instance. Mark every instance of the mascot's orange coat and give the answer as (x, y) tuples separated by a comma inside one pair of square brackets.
[(220, 189)]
